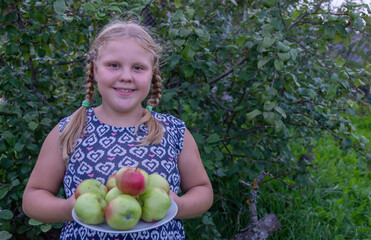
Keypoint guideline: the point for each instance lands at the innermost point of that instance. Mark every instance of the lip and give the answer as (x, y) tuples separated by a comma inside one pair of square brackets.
[(124, 91)]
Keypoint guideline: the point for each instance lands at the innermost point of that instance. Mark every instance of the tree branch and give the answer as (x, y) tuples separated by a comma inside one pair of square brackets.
[(258, 229), (318, 7), (226, 73)]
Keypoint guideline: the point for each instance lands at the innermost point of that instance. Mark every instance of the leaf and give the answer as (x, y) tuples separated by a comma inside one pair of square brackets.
[(177, 3), (284, 56), (46, 228), (295, 13), (6, 214), (253, 114), (234, 2), (188, 53), (115, 9), (5, 235), (339, 62), (280, 111), (33, 125), (278, 125), (67, 18), (294, 54), (89, 7), (331, 91), (3, 192), (268, 105), (203, 34), (268, 42), (269, 117), (18, 147), (34, 222), (213, 138), (282, 47), (278, 64), (59, 7), (46, 121), (188, 71), (9, 137), (263, 61)]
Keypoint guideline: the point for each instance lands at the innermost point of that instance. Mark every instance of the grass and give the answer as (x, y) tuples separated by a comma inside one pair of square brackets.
[(337, 202)]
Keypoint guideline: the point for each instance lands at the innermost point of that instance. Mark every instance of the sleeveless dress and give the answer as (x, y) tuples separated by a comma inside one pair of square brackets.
[(104, 149)]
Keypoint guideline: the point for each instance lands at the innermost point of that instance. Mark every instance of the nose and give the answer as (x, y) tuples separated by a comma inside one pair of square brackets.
[(125, 75)]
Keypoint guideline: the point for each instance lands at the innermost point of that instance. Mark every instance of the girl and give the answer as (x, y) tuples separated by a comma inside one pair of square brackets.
[(96, 142)]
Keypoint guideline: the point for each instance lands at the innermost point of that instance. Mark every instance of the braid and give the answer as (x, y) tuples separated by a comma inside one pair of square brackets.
[(156, 90), (77, 124), (155, 128), (89, 77)]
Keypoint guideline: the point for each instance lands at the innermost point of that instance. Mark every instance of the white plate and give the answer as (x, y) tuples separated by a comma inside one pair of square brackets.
[(141, 225)]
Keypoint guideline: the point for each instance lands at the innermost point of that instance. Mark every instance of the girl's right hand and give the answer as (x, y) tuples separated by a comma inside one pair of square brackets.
[(70, 204)]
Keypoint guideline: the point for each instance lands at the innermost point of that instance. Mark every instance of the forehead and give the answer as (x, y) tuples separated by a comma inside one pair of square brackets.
[(125, 47)]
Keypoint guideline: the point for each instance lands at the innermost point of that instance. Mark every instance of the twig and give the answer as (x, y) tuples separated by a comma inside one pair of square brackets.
[(226, 73), (318, 7)]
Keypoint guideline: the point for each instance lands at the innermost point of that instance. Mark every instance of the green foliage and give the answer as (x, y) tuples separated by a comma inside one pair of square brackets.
[(335, 204), (249, 79)]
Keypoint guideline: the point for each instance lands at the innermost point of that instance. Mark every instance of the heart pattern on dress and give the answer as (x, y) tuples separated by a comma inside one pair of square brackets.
[(95, 155), (89, 141), (107, 141), (159, 151), (139, 152), (150, 165), (116, 150), (84, 168), (105, 168)]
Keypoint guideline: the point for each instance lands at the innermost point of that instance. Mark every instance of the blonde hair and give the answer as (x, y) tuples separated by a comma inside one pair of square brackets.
[(113, 31)]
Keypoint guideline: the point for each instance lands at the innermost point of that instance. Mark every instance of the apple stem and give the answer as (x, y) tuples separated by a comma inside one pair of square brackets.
[(136, 169)]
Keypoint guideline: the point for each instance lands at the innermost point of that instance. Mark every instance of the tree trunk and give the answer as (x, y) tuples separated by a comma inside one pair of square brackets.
[(258, 229), (261, 231)]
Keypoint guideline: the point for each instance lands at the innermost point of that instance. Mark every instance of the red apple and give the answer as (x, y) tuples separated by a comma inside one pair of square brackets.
[(114, 192), (123, 212), (111, 182), (155, 203), (131, 180), (156, 180), (91, 185), (90, 208)]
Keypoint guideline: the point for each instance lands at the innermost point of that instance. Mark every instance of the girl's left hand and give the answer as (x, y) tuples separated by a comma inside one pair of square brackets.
[(173, 196)]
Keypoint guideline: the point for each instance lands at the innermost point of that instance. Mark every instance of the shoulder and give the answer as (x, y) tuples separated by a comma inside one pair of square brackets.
[(174, 129), (168, 119), (64, 121)]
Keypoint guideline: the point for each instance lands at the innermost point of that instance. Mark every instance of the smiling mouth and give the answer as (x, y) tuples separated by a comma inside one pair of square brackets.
[(125, 90)]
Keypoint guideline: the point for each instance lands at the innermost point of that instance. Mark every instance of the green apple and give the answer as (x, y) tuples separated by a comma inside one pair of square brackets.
[(90, 208), (131, 180), (91, 185), (114, 192), (123, 212), (156, 180), (111, 182), (155, 203)]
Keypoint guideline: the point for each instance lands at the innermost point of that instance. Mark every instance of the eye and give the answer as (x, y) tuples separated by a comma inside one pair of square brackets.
[(113, 65), (138, 68)]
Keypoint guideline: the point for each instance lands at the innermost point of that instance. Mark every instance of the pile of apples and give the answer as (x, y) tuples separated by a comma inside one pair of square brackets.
[(129, 195)]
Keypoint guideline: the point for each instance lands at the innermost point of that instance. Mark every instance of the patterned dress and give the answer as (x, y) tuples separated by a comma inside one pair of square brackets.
[(104, 149)]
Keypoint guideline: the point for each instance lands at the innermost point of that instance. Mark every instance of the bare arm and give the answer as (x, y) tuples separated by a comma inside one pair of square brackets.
[(39, 198), (195, 184)]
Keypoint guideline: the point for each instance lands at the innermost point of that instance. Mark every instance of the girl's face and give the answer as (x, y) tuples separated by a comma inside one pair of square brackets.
[(123, 71)]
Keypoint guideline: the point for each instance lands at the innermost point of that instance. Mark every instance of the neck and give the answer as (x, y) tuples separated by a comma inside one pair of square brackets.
[(119, 119)]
